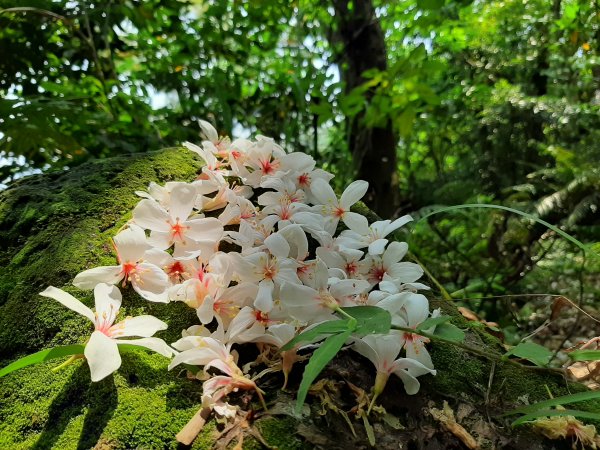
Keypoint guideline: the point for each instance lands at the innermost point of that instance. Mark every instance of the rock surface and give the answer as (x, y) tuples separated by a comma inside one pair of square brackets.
[(54, 226)]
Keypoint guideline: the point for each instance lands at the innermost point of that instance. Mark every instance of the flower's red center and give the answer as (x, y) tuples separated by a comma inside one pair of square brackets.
[(304, 179), (285, 213), (178, 230), (176, 270), (128, 270), (351, 268), (268, 167), (378, 273), (261, 317), (339, 212)]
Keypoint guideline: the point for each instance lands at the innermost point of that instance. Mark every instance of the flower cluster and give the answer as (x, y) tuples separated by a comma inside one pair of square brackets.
[(288, 268)]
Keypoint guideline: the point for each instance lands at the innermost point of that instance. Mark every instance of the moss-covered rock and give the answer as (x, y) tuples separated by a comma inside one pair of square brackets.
[(51, 228), (54, 226)]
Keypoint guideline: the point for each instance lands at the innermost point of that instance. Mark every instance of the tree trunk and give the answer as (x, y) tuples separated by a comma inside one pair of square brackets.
[(373, 148)]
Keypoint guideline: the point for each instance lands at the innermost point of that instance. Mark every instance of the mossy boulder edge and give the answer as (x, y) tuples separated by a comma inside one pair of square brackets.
[(53, 226)]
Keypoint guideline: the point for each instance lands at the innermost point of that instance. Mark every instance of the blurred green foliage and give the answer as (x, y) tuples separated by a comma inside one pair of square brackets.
[(493, 102)]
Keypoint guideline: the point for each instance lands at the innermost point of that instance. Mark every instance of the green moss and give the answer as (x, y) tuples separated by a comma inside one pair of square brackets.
[(51, 228), (280, 432)]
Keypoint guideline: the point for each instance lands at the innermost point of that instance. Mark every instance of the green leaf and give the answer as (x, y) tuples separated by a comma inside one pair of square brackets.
[(370, 319), (585, 355), (325, 353), (432, 322), (531, 351), (329, 327), (564, 400), (556, 412), (405, 121), (43, 356), (449, 332)]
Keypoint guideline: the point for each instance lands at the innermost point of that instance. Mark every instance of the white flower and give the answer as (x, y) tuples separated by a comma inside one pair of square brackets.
[(101, 351), (414, 311), (147, 279), (315, 303), (172, 225), (388, 266), (269, 270), (335, 210), (374, 237), (382, 351)]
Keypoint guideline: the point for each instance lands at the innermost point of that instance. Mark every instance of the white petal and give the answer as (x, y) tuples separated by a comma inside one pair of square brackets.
[(411, 384), (297, 161), (363, 347), (377, 247), (323, 192), (143, 326), (401, 221), (332, 258), (150, 215), (394, 253), (208, 131), (292, 294), (264, 297), (417, 309), (321, 275), (297, 240), (183, 197), (416, 350), (277, 245), (160, 240), (108, 303), (346, 288), (208, 229), (90, 278), (151, 283), (405, 272), (152, 343), (312, 221), (356, 222), (131, 244), (102, 355), (206, 311), (353, 193), (69, 301), (159, 258)]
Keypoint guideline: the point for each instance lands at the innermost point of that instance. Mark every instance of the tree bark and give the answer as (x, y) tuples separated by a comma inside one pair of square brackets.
[(373, 148)]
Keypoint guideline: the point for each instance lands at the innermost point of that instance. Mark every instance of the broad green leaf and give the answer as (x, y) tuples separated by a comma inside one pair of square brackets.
[(564, 400), (585, 355), (330, 327), (531, 351), (370, 319), (42, 356), (432, 322), (449, 332), (325, 353), (556, 412)]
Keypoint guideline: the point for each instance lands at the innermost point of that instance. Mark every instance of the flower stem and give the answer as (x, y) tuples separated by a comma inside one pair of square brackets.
[(351, 320), (69, 361)]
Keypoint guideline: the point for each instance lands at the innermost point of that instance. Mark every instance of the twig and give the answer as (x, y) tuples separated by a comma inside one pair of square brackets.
[(189, 432)]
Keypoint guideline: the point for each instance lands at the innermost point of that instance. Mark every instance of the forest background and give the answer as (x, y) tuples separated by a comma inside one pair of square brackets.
[(433, 102)]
